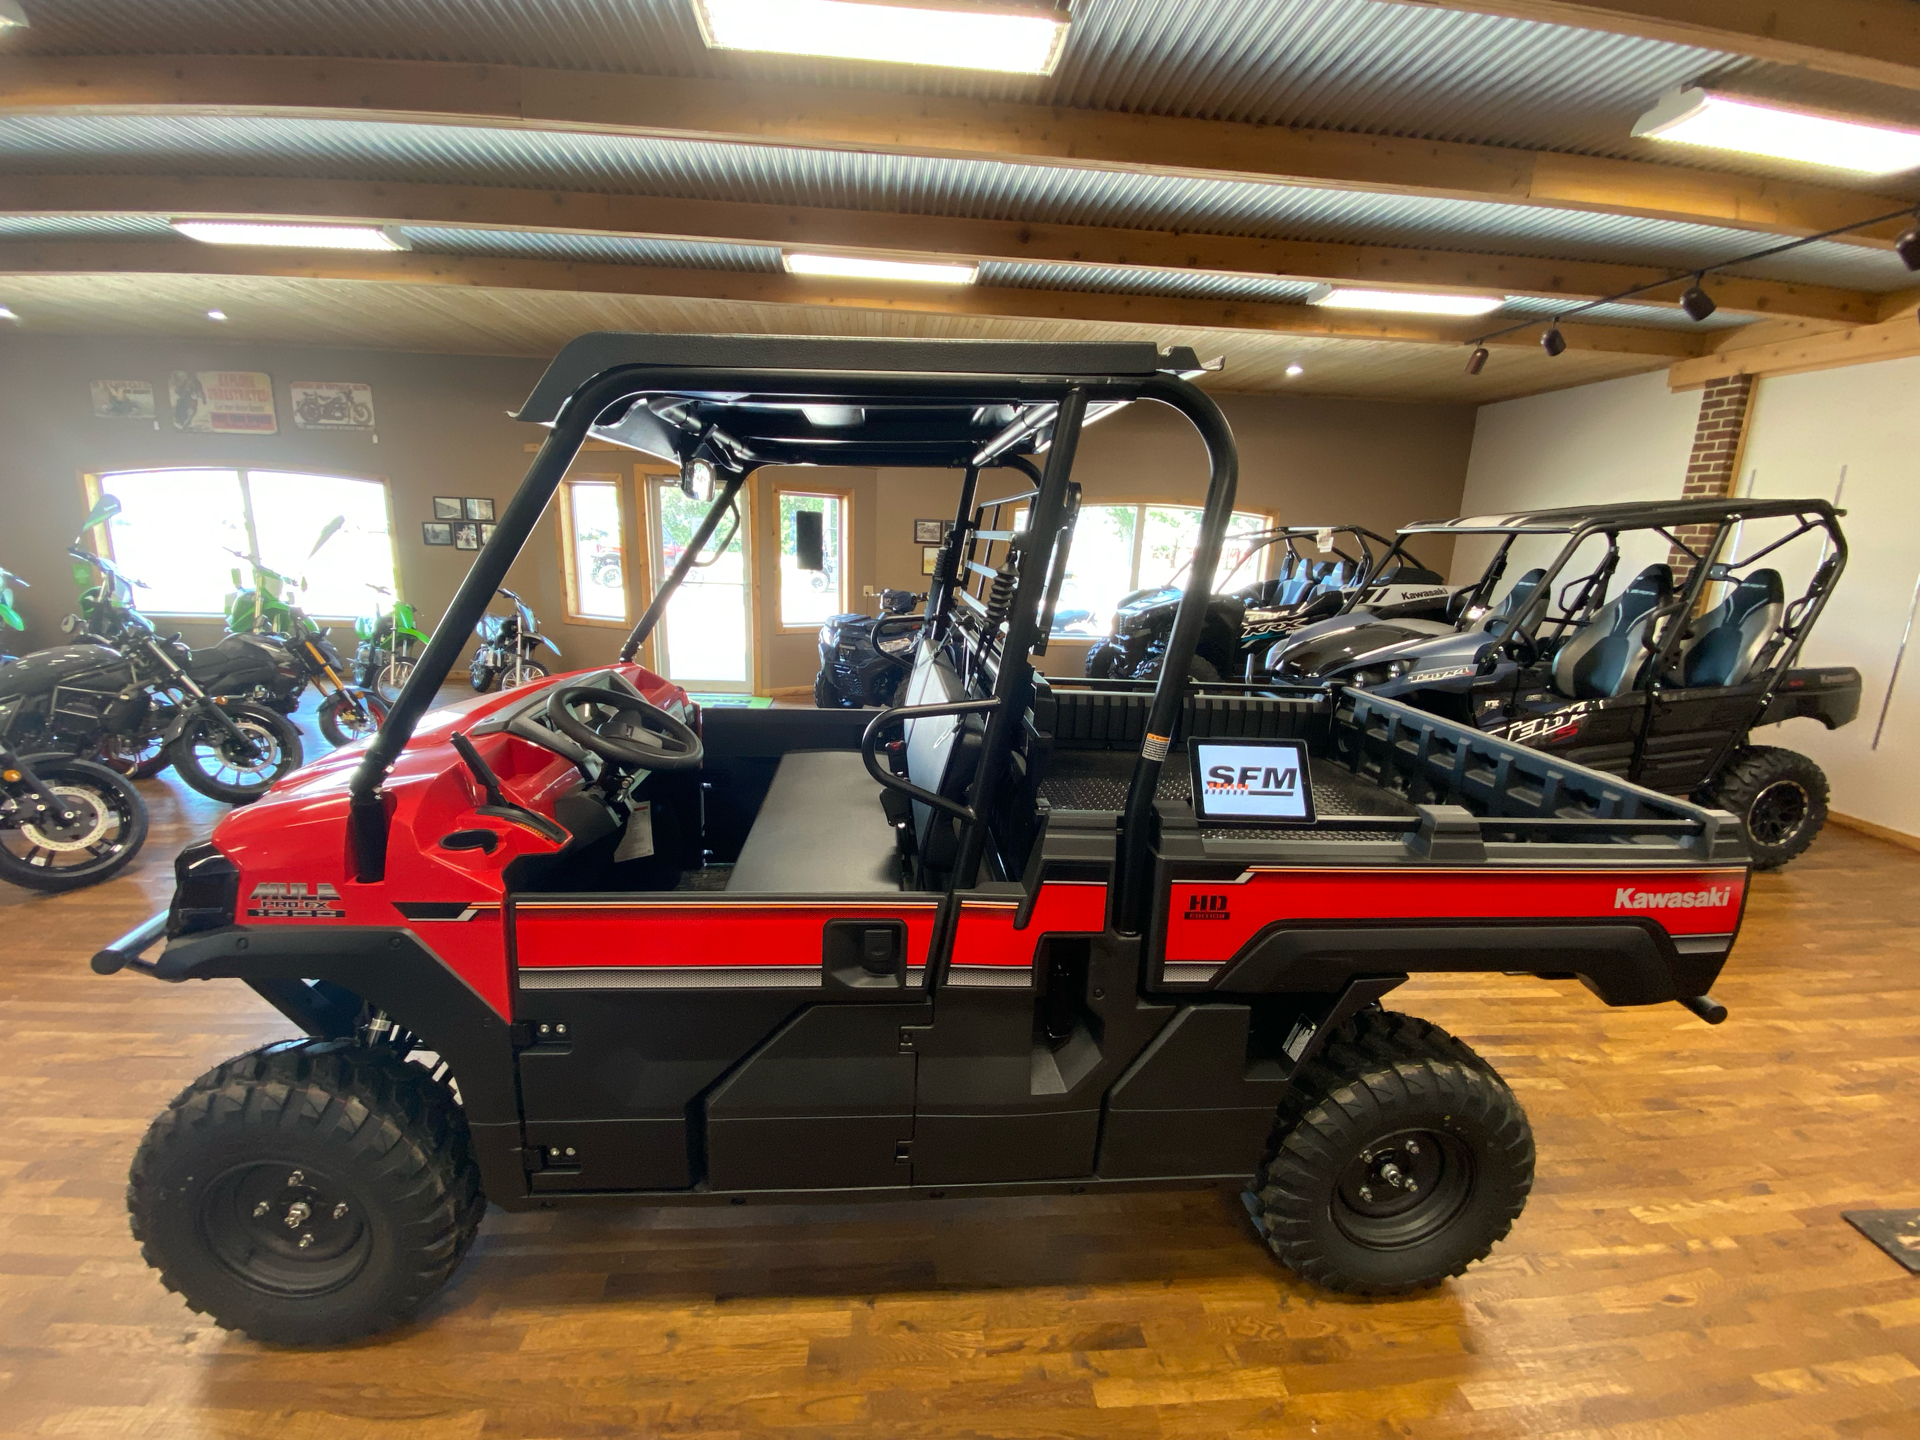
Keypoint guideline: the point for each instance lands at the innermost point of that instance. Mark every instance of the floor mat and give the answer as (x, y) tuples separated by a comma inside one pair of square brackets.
[(732, 702), (1895, 1231)]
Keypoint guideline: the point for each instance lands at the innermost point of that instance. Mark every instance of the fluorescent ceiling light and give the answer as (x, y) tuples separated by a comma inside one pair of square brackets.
[(12, 14), (853, 267), (305, 237), (216, 314), (1406, 302), (1731, 122), (1024, 39)]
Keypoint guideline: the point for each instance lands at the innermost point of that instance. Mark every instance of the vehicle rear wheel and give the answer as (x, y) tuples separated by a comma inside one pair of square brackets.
[(307, 1193), (1780, 797), (214, 763), (108, 828), (349, 715), (1399, 1158)]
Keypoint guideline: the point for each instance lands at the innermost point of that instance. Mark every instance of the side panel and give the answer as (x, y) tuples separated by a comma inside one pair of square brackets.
[(664, 996), (1206, 923)]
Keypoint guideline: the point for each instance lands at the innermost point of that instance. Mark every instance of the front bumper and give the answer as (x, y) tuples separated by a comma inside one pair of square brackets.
[(125, 953)]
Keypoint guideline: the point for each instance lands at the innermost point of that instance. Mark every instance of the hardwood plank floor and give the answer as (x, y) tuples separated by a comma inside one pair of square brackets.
[(1681, 1274)]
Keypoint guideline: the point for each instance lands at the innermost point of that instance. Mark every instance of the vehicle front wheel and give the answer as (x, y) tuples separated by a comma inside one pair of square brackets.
[(104, 828), (1780, 797), (1399, 1158), (219, 766), (531, 672), (349, 715), (307, 1193)]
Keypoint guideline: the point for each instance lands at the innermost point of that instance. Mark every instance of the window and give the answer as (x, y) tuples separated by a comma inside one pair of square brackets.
[(185, 532), (590, 548), (1118, 549), (808, 597)]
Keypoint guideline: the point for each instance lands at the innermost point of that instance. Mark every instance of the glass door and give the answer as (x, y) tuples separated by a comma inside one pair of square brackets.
[(705, 640)]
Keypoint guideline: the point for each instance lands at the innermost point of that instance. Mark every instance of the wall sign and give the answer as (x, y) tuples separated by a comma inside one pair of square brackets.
[(123, 399), (332, 405), (238, 402), (1258, 781)]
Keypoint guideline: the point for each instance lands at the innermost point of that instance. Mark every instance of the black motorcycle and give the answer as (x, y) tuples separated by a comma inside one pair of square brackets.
[(64, 822), (145, 703), (506, 648), (863, 658)]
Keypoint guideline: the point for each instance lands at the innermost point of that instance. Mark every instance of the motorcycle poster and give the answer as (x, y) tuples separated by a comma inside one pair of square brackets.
[(238, 402), (123, 399), (332, 405)]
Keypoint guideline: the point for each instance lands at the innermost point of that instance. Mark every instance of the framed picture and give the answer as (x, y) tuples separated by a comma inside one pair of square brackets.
[(929, 557), (486, 532), (446, 507), (480, 509), (436, 532), (466, 536), (929, 532)]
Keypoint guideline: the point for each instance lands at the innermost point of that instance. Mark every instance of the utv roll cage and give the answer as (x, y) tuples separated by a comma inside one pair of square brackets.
[(1373, 549), (721, 407)]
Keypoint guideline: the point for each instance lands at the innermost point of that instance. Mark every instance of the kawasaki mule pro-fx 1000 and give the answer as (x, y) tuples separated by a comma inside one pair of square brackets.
[(579, 943)]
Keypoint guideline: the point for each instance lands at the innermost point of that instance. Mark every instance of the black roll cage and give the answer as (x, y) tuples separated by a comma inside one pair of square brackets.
[(647, 392)]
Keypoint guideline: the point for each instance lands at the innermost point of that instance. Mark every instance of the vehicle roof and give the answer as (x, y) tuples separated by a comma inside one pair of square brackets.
[(1628, 515), (807, 400)]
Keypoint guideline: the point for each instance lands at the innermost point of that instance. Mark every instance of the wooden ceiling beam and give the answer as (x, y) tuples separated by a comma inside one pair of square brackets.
[(859, 231), (1143, 311), (434, 92), (1877, 40)]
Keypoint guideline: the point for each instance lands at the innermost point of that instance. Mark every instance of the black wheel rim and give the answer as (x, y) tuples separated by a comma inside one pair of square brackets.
[(1403, 1189), (219, 756), (286, 1230), (1778, 812), (96, 836)]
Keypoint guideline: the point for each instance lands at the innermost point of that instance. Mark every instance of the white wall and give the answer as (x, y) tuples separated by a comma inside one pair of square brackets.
[(1804, 428), (1591, 445)]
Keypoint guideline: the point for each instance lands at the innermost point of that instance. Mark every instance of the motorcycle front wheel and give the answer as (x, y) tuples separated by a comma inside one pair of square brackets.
[(109, 827), (214, 762), (350, 715), (392, 676), (531, 672)]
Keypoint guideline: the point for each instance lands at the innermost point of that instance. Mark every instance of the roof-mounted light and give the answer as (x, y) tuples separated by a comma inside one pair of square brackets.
[(295, 234), (1781, 132), (1403, 302), (1022, 37), (855, 267)]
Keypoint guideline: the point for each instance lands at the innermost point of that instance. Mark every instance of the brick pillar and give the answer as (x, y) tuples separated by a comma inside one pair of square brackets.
[(1714, 466)]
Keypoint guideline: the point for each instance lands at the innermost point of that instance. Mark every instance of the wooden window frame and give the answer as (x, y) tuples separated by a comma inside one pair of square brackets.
[(823, 492), (569, 563)]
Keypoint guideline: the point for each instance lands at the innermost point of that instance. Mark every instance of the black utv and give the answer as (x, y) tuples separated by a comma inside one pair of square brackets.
[(1661, 679), (1323, 571)]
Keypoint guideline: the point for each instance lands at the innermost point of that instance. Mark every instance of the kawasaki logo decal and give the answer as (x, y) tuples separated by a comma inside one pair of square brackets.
[(291, 900), (1628, 898)]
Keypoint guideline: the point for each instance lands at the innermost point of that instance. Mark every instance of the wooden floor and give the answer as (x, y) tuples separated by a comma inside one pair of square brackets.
[(1682, 1272)]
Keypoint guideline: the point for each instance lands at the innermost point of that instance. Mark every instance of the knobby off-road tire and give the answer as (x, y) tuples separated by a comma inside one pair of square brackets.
[(1780, 797), (1399, 1158), (366, 1155)]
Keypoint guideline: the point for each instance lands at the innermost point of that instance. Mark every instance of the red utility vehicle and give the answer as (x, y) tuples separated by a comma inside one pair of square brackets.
[(581, 943)]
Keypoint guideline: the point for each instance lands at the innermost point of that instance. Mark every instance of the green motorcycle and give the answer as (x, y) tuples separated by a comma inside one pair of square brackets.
[(9, 614), (388, 638)]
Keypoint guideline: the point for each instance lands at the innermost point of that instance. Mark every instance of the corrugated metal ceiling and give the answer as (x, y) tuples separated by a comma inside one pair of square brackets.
[(1342, 64), (368, 150)]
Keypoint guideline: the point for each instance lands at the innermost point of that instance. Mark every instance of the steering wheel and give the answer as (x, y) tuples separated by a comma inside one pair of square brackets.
[(664, 744)]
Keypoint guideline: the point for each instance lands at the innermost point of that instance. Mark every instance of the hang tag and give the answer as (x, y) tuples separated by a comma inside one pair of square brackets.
[(637, 843)]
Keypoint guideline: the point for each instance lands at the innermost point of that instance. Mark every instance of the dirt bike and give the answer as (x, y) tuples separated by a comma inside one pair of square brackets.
[(347, 712), (386, 651), (506, 648), (9, 615)]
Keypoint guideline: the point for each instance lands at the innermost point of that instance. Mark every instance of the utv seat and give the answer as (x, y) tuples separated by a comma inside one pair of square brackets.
[(820, 831), (1509, 604), (1732, 635), (1606, 655)]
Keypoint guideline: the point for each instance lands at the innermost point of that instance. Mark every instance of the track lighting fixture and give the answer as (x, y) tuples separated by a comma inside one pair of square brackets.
[(1697, 303), (1477, 361), (1907, 247), (1552, 341)]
